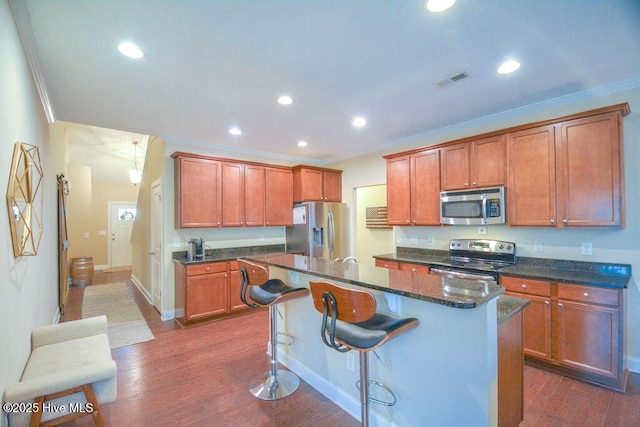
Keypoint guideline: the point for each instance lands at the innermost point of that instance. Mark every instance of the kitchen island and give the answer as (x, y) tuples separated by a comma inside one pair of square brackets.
[(444, 372)]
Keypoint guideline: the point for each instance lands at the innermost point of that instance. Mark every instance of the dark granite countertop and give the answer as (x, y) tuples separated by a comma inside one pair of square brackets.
[(227, 254), (607, 275), (456, 293), (509, 306)]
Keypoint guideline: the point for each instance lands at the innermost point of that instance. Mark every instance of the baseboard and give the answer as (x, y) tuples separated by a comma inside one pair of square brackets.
[(633, 364), (338, 396), (168, 314), (143, 291), (56, 316)]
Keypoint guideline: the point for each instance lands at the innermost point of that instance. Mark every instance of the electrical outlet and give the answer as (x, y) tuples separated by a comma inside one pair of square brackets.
[(586, 249), (351, 362), (431, 241), (177, 243), (482, 229), (538, 246)]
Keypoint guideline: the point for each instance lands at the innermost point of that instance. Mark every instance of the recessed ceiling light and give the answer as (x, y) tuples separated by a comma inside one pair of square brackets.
[(508, 67), (285, 100), (302, 143), (130, 50), (437, 6), (359, 122), (235, 131)]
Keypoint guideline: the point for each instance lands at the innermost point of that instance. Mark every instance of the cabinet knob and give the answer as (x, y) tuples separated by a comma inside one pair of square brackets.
[(565, 221), (466, 184), (474, 183), (560, 305), (524, 286), (208, 268), (546, 302), (552, 221), (586, 294), (408, 221)]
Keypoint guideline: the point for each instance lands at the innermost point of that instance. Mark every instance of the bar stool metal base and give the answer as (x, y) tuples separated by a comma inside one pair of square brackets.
[(275, 387)]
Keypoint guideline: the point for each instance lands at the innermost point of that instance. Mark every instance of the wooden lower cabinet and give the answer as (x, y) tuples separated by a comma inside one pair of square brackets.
[(575, 329), (209, 290), (406, 266), (387, 264)]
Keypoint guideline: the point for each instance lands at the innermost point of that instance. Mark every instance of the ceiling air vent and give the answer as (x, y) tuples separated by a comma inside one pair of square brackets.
[(450, 80)]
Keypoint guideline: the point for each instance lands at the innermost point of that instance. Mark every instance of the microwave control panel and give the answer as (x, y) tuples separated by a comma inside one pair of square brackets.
[(493, 208)]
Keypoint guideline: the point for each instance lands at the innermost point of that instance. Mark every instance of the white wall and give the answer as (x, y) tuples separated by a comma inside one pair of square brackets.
[(28, 290), (614, 245), (371, 241)]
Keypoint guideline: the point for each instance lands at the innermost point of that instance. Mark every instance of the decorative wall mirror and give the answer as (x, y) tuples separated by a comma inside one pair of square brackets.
[(24, 200)]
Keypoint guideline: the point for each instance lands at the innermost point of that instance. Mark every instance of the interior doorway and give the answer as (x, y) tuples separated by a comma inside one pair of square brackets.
[(121, 217), (156, 245)]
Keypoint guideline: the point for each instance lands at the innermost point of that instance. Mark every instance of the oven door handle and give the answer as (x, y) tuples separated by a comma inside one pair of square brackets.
[(460, 275)]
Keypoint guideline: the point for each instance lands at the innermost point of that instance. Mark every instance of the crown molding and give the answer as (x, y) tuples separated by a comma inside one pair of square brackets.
[(23, 25)]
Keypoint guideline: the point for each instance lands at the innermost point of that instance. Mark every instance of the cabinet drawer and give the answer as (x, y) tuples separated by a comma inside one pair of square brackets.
[(214, 267), (526, 286), (387, 264), (416, 268), (589, 294)]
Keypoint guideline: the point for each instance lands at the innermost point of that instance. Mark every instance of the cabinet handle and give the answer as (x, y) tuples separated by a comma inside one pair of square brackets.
[(565, 221), (524, 286), (552, 221), (546, 302), (466, 184), (408, 221), (586, 294), (474, 183), (560, 305), (208, 268)]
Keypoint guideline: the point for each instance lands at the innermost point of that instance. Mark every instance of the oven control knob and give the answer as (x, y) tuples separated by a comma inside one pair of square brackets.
[(501, 246), (509, 247)]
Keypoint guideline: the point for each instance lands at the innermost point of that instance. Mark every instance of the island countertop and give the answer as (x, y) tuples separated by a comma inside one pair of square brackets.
[(456, 293)]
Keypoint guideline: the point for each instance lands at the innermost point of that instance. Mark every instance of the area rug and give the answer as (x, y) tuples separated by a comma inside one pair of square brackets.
[(126, 325)]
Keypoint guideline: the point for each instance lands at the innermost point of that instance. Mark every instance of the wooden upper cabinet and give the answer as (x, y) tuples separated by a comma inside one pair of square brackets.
[(589, 171), (279, 197), (454, 173), (531, 188), (243, 195), (312, 184), (425, 188), (197, 192), (254, 196), (568, 174), (487, 162), (399, 190), (473, 164)]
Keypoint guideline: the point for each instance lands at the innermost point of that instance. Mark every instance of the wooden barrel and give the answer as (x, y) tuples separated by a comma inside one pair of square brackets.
[(82, 270)]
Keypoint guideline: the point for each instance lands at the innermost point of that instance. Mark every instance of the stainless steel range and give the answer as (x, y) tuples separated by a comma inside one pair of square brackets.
[(476, 259)]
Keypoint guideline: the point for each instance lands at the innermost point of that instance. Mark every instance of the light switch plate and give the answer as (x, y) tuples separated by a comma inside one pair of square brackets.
[(482, 229), (586, 249), (538, 246)]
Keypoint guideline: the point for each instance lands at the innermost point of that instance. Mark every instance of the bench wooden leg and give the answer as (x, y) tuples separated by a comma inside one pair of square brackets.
[(89, 395)]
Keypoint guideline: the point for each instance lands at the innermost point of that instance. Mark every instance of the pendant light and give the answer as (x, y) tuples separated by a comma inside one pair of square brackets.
[(135, 174)]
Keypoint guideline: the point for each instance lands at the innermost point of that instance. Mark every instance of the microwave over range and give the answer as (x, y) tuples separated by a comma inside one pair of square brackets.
[(473, 207)]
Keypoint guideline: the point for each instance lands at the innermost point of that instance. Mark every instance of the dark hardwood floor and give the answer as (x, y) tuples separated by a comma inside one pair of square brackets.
[(199, 376)]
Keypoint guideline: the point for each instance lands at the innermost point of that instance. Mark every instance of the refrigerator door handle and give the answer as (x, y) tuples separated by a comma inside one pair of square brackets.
[(332, 232)]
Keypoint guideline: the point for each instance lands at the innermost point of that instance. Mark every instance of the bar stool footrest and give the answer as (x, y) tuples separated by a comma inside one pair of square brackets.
[(384, 387)]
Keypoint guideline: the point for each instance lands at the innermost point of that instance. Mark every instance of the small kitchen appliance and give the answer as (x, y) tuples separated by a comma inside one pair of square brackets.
[(473, 207), (476, 259), (195, 248)]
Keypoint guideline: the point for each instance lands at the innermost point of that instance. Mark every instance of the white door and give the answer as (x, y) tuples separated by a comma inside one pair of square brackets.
[(156, 245), (121, 217)]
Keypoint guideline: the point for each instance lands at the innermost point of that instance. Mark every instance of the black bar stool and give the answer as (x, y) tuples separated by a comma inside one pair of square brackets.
[(265, 292), (350, 322)]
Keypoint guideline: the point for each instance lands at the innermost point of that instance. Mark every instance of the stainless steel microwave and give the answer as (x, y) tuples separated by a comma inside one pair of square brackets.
[(473, 207)]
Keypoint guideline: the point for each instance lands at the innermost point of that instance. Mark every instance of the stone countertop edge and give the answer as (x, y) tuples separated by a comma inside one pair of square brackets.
[(604, 275), (509, 306), (227, 254), (423, 287)]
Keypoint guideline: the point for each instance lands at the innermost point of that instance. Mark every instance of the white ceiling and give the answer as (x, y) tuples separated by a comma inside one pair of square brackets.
[(211, 65)]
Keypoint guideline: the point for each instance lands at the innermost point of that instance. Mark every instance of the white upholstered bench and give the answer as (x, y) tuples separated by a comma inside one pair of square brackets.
[(69, 374)]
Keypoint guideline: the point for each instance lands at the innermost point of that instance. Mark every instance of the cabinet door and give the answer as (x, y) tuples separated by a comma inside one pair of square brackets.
[(235, 283), (487, 162), (589, 172), (332, 186), (537, 327), (254, 196), (398, 191), (587, 337), (531, 170), (206, 296), (232, 194), (425, 188), (308, 185), (197, 193), (279, 197), (454, 174)]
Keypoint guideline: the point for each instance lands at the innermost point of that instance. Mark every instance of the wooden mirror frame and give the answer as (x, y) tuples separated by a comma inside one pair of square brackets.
[(24, 200)]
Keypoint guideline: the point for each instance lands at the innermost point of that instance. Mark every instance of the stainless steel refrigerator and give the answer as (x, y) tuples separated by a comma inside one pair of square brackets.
[(319, 230)]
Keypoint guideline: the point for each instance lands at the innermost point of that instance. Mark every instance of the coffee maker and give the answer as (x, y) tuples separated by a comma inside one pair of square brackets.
[(195, 248)]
